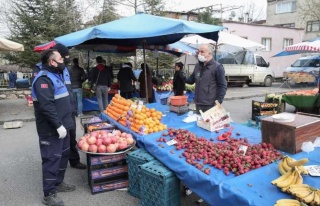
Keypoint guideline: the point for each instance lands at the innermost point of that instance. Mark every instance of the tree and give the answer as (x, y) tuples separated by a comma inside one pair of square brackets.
[(250, 13), (207, 18), (107, 14), (309, 11), (34, 22)]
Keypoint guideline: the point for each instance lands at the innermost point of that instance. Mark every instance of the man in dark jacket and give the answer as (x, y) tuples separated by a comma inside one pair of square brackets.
[(125, 77), (78, 76), (210, 80), (100, 76), (179, 80), (53, 113)]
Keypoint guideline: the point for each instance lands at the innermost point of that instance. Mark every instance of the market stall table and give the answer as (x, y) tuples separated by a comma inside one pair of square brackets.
[(208, 187)]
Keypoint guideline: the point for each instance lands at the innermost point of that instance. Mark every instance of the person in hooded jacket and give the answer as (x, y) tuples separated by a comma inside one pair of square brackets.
[(100, 76), (54, 117), (125, 77), (210, 80), (179, 80)]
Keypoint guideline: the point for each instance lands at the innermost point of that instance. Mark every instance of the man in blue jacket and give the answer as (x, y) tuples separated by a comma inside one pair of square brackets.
[(210, 80), (53, 112)]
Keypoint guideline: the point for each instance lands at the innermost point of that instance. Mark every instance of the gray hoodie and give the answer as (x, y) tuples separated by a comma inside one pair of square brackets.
[(211, 84)]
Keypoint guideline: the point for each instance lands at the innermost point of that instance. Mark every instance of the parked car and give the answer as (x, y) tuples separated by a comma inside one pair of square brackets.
[(309, 64)]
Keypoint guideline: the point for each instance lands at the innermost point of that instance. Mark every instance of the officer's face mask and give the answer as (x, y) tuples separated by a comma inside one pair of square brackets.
[(60, 66)]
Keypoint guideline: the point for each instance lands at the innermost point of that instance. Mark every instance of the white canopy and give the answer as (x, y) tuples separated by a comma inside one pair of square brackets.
[(7, 45), (226, 43)]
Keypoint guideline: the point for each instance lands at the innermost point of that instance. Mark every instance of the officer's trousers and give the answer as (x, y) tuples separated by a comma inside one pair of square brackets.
[(55, 154)]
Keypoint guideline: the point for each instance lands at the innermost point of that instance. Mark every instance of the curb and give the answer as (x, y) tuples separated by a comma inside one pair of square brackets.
[(23, 120)]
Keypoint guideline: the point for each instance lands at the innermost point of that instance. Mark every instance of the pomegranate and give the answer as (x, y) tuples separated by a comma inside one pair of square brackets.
[(91, 140), (93, 148), (114, 139), (111, 148), (85, 146), (106, 141), (124, 134), (99, 142), (123, 145), (80, 143), (130, 140), (102, 149), (128, 135)]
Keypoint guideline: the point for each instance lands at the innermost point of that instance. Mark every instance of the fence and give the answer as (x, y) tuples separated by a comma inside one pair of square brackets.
[(4, 78)]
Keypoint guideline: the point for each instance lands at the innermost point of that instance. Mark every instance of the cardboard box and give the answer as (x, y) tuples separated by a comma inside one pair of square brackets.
[(214, 119), (109, 172), (289, 136)]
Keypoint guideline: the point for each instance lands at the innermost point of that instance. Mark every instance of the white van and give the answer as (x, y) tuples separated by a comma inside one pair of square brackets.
[(309, 64), (247, 67)]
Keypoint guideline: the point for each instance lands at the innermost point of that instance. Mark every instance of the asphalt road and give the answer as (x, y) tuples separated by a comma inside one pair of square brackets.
[(20, 165)]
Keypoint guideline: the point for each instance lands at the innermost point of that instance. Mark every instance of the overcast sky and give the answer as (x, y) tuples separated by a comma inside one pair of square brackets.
[(178, 5)]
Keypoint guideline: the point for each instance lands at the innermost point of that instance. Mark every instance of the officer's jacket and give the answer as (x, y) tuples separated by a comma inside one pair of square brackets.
[(52, 102)]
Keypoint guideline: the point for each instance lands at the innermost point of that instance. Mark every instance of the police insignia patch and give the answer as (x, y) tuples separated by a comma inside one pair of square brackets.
[(44, 86)]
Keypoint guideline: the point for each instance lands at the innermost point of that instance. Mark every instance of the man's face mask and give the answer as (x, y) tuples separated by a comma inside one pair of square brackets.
[(60, 66), (202, 58)]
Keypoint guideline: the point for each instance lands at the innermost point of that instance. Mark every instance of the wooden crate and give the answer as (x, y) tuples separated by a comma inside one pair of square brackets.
[(289, 136)]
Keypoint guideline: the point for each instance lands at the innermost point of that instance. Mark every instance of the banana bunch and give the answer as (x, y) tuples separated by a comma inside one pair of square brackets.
[(305, 193), (292, 177), (287, 202), (287, 163)]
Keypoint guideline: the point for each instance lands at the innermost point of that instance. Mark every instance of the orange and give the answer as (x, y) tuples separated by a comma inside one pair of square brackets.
[(152, 109), (150, 130)]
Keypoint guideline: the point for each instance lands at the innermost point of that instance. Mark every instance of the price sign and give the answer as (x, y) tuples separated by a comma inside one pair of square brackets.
[(172, 142), (243, 148)]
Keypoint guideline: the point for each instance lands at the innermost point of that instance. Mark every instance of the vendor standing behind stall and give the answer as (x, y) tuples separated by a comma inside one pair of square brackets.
[(179, 80), (210, 80), (78, 76), (100, 76), (125, 78), (144, 84)]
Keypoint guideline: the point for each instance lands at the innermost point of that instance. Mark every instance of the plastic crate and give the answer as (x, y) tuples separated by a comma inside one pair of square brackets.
[(134, 160), (159, 185), (179, 109)]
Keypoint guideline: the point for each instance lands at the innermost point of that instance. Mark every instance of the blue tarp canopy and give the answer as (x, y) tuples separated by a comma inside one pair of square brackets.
[(137, 30)]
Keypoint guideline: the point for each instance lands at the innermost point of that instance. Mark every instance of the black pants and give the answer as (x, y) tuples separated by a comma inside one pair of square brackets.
[(74, 154), (126, 95), (54, 155), (203, 108)]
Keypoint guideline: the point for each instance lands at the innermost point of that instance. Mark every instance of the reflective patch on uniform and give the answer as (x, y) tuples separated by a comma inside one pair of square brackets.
[(58, 155), (62, 169), (44, 142), (44, 86), (66, 149), (51, 179)]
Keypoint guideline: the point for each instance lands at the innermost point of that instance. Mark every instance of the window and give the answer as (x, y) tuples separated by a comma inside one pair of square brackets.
[(286, 7), (287, 42), (313, 26), (267, 43), (261, 62)]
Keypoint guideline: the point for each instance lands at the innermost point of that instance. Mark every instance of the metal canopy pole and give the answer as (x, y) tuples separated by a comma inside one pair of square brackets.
[(145, 69)]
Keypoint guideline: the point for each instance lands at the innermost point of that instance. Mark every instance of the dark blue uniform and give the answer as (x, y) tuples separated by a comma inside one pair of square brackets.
[(74, 154), (53, 108)]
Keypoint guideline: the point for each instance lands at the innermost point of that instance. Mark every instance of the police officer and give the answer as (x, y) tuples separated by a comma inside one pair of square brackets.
[(53, 113), (74, 158)]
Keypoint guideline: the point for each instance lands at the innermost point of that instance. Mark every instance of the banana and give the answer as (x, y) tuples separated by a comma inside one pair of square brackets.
[(288, 181), (288, 202), (296, 177), (299, 179), (303, 170), (285, 165), (280, 167), (300, 162), (309, 198), (281, 178), (316, 200)]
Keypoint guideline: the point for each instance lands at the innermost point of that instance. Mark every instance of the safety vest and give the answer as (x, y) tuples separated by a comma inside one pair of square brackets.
[(60, 89), (66, 74)]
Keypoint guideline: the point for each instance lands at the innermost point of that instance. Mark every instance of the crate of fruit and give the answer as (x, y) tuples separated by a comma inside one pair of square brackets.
[(159, 185), (134, 160)]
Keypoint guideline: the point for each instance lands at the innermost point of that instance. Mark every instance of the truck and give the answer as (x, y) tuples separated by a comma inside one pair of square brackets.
[(246, 67)]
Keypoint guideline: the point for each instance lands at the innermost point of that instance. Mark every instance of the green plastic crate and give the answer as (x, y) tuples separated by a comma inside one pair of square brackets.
[(134, 160), (159, 186)]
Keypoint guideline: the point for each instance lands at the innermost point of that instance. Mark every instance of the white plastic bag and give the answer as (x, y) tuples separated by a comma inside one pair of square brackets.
[(316, 142), (307, 147)]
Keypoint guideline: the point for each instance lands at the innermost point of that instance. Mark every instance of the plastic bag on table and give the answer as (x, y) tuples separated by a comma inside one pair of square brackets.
[(316, 142), (307, 147)]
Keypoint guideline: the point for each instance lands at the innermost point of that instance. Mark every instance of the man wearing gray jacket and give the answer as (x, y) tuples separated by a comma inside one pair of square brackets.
[(210, 80)]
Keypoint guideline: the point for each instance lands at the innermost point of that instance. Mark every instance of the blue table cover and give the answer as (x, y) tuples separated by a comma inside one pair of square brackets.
[(252, 188), (161, 97)]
